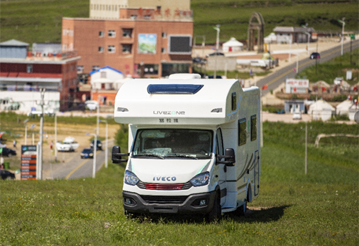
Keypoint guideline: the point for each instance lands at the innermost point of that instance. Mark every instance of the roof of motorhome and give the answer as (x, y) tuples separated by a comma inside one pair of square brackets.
[(140, 102), (137, 89)]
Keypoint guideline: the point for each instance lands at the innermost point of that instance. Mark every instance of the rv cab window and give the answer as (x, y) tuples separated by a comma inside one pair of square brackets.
[(173, 143)]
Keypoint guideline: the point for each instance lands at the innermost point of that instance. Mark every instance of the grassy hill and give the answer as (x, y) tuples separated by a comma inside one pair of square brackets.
[(40, 20), (320, 208)]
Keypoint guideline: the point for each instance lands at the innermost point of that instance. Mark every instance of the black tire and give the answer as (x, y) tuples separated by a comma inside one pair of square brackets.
[(241, 211), (215, 214)]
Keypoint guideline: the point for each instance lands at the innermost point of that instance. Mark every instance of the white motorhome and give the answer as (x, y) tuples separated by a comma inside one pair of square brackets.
[(194, 146)]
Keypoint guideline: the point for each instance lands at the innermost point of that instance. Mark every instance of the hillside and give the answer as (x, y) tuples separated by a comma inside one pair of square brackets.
[(40, 20)]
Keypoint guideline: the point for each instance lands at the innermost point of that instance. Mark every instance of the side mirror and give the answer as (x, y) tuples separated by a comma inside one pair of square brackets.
[(229, 158), (116, 155)]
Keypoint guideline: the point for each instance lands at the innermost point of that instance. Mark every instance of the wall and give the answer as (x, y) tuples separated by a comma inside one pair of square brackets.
[(28, 99)]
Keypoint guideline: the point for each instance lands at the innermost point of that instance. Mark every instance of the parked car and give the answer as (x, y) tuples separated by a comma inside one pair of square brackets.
[(98, 146), (5, 174), (314, 55), (216, 54), (8, 152), (87, 153), (91, 105), (68, 144)]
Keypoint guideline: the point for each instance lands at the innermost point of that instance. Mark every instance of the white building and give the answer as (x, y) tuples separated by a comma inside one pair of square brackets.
[(296, 85)]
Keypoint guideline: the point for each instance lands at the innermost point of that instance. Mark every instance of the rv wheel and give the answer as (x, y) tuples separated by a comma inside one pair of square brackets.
[(241, 211), (215, 213)]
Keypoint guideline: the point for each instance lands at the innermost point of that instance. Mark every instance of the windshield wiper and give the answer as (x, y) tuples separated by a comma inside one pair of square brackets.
[(153, 155), (182, 156)]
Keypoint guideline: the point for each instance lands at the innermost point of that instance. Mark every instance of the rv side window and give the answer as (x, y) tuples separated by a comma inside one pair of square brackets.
[(253, 127), (219, 142), (234, 101), (242, 133)]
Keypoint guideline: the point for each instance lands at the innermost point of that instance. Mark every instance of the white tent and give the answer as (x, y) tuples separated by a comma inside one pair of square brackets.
[(343, 107), (232, 45), (271, 38), (321, 110)]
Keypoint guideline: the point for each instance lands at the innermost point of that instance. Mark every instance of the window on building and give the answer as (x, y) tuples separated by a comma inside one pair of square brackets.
[(100, 33), (64, 47), (126, 48), (148, 68), (111, 49), (111, 33), (80, 69), (127, 33), (164, 35), (242, 132), (94, 68), (253, 127), (100, 49), (147, 17), (29, 68), (234, 101), (103, 74), (163, 50), (133, 17)]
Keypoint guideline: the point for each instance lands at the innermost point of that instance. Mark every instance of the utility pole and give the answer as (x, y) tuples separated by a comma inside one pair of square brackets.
[(216, 53), (42, 103), (343, 23), (316, 61), (306, 137)]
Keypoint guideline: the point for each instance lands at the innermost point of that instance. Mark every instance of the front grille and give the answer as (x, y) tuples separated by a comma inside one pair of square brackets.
[(151, 186), (163, 186), (164, 199)]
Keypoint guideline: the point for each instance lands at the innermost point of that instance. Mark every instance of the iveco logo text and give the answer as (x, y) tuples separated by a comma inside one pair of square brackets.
[(169, 112), (164, 178)]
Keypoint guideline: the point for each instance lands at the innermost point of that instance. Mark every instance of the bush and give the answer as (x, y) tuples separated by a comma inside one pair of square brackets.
[(339, 98)]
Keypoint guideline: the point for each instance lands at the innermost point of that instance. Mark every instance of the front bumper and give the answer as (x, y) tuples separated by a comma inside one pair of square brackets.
[(168, 204)]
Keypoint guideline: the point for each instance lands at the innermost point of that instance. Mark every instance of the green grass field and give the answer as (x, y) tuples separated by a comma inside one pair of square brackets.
[(320, 208), (40, 20), (337, 67)]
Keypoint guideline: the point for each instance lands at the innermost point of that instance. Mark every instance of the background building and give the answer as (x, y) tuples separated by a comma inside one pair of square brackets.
[(293, 34), (144, 36), (23, 73)]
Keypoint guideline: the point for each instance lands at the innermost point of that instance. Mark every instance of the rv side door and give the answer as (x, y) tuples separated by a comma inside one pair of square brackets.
[(222, 167)]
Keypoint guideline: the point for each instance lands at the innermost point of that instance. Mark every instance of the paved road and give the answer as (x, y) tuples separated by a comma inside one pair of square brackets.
[(276, 78), (76, 167)]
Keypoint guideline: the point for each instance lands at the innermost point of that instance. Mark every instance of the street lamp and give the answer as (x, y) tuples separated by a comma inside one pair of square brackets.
[(98, 111), (55, 137), (216, 53), (94, 154), (25, 121), (343, 23), (106, 150), (308, 41), (33, 139)]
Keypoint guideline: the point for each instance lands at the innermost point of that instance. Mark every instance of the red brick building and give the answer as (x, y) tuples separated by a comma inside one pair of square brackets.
[(137, 40), (22, 73)]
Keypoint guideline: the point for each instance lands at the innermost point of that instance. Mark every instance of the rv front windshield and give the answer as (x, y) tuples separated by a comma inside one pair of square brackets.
[(173, 143)]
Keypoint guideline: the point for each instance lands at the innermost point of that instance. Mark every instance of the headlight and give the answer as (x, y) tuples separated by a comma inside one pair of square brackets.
[(90, 154), (130, 178), (82, 154), (200, 179), (99, 144)]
